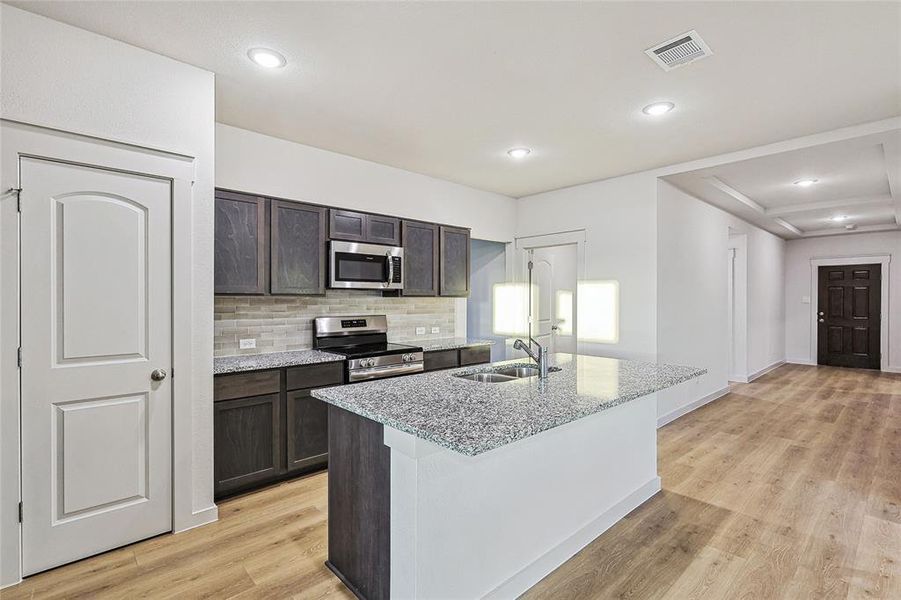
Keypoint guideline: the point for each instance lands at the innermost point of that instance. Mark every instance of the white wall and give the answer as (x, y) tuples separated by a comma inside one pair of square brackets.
[(799, 253), (619, 217), (692, 309), (488, 268), (252, 162), (66, 78)]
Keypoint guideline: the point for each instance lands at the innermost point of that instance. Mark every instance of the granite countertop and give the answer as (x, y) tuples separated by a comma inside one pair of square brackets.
[(271, 360), (445, 343), (470, 417)]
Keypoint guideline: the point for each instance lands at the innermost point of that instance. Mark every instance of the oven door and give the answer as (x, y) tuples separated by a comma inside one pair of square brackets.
[(365, 266)]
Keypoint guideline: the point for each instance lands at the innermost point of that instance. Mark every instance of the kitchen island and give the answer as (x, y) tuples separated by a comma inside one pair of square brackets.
[(445, 487)]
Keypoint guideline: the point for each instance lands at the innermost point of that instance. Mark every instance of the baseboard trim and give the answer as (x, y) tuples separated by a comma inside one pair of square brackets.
[(801, 361), (10, 584), (683, 410), (765, 370), (556, 556), (201, 517)]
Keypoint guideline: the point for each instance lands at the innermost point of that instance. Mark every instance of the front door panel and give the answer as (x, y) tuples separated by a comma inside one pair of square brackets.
[(848, 316), (96, 320)]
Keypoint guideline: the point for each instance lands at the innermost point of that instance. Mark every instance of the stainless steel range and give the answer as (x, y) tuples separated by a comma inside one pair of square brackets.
[(364, 341)]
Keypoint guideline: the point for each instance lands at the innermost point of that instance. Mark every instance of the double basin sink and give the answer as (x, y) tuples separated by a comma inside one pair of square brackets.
[(504, 374)]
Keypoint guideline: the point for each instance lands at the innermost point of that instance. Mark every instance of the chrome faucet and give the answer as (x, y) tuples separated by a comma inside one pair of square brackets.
[(540, 358)]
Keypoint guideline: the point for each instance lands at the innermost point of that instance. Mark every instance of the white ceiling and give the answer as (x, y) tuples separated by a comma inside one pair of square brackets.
[(445, 88), (858, 178)]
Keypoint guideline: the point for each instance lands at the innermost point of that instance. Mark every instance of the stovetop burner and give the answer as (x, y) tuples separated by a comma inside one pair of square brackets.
[(364, 341), (375, 349)]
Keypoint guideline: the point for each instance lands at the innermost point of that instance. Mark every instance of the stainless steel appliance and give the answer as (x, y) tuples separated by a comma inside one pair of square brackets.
[(364, 342), (365, 266)]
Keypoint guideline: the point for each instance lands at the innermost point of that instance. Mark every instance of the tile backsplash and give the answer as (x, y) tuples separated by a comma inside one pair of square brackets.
[(278, 323)]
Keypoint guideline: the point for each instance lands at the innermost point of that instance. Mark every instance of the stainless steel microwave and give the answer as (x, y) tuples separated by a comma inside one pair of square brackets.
[(365, 266)]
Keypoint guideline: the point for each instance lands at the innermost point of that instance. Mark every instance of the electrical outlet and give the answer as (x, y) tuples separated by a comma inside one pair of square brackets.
[(420, 331), (436, 330), (247, 343)]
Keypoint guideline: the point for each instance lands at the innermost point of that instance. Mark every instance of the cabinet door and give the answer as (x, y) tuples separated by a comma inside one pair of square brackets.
[(306, 440), (454, 261), (382, 230), (240, 244), (347, 225), (475, 355), (246, 445), (297, 264), (440, 359), (420, 259)]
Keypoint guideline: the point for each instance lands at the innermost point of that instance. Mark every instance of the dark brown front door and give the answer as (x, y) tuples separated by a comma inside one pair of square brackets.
[(848, 316)]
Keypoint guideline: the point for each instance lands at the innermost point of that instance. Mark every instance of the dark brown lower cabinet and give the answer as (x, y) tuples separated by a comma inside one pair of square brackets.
[(306, 438), (280, 433), (436, 360), (247, 446)]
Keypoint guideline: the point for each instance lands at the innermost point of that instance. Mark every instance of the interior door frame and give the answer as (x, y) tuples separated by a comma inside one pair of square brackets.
[(26, 140), (884, 260), (578, 237)]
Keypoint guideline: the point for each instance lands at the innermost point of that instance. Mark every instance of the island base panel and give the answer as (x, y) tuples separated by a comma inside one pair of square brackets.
[(359, 505)]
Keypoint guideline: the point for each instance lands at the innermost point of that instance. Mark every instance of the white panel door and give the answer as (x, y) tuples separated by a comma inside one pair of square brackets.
[(96, 321), (554, 274)]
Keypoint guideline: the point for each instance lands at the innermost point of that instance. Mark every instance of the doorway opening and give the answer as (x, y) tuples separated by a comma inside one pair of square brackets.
[(552, 266)]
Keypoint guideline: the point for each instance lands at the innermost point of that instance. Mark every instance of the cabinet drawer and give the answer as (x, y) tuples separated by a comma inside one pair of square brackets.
[(242, 385), (475, 355), (441, 359), (313, 376)]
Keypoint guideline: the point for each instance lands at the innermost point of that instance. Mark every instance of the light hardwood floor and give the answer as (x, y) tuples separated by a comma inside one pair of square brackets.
[(789, 487)]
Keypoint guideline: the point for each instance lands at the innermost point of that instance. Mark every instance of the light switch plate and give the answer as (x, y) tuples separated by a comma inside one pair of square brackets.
[(420, 331), (436, 330), (247, 343)]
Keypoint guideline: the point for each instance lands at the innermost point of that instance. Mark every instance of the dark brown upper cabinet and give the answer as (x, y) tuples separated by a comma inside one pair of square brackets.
[(454, 261), (382, 230), (240, 245), (420, 258), (297, 264), (346, 225), (361, 227)]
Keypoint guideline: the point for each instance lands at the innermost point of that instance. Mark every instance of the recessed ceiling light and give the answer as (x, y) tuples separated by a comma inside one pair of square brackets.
[(518, 152), (806, 182), (658, 108), (839, 218), (267, 58)]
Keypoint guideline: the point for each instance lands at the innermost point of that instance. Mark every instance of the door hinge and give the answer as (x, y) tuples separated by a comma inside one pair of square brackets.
[(19, 357), (20, 512), (18, 193)]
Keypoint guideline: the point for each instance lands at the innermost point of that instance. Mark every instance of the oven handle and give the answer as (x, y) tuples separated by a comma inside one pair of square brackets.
[(377, 372)]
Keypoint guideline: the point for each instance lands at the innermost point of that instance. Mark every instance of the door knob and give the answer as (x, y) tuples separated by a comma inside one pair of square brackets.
[(158, 374)]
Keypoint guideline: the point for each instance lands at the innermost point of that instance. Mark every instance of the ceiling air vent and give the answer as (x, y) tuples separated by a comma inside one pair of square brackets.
[(679, 51)]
